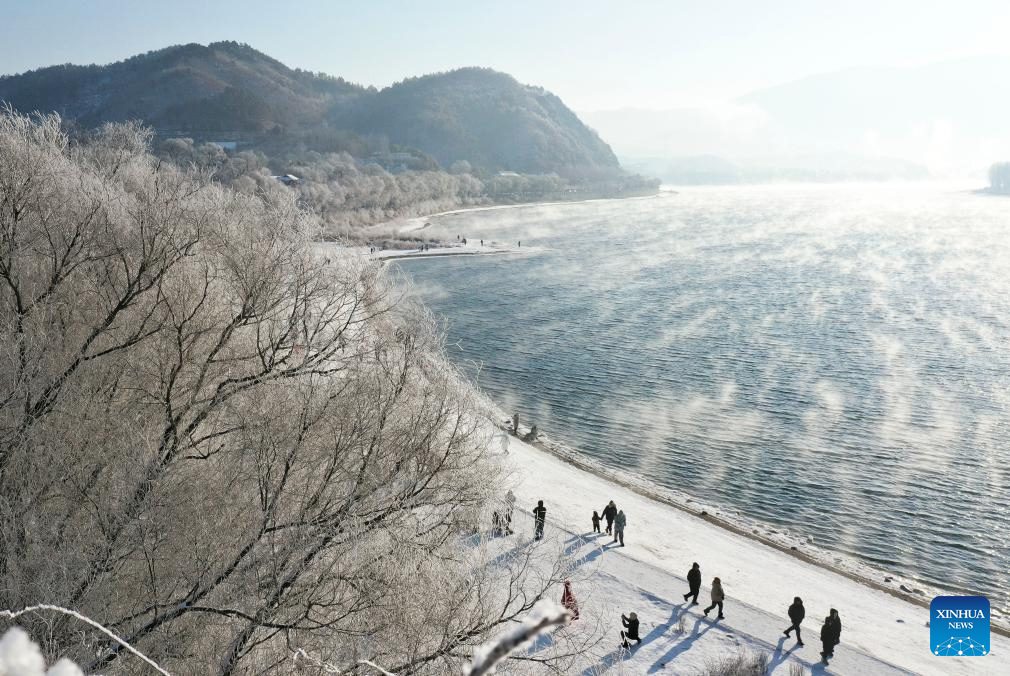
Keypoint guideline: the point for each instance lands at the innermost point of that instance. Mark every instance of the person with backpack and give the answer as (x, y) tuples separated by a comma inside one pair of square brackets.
[(694, 583), (631, 630), (718, 596), (539, 516), (796, 614), (619, 523)]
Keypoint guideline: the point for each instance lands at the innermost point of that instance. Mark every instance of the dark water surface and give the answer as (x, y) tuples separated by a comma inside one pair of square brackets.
[(834, 360)]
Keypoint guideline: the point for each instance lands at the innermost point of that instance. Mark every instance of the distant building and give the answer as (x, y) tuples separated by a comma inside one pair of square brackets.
[(226, 145), (287, 179), (508, 173)]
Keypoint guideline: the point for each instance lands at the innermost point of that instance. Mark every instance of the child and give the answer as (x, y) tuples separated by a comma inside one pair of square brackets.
[(596, 522)]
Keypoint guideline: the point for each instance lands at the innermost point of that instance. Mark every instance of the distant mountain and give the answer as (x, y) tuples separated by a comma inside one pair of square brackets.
[(949, 117), (482, 116), (222, 87), (227, 90)]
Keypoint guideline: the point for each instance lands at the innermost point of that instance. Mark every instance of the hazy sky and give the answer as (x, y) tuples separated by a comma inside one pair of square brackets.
[(594, 54)]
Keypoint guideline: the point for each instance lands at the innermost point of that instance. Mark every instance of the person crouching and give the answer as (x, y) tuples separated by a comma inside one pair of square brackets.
[(631, 630)]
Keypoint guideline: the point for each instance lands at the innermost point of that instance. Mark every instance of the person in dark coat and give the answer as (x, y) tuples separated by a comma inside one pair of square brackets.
[(596, 522), (539, 515), (694, 583), (610, 513), (631, 630), (619, 523), (831, 635), (796, 614)]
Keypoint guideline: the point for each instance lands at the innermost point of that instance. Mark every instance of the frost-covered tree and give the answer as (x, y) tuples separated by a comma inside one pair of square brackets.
[(226, 449)]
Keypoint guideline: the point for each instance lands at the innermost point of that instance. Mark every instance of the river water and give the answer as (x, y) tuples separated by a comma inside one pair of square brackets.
[(831, 360)]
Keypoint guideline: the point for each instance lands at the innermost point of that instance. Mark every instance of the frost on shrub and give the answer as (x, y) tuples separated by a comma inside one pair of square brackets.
[(544, 615), (740, 664), (20, 656)]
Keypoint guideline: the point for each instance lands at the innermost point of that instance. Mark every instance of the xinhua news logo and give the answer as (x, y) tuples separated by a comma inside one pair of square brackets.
[(959, 626)]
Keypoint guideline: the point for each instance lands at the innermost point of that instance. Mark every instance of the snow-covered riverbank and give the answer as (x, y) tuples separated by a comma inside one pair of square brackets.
[(421, 222), (881, 632), (488, 248)]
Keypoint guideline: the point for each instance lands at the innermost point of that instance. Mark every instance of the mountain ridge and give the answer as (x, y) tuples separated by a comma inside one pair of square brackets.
[(477, 115)]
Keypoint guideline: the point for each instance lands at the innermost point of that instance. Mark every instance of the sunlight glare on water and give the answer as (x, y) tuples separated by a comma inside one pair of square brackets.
[(834, 360)]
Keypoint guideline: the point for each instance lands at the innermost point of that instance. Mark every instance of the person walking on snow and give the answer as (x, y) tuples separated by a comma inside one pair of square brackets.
[(609, 513), (596, 522), (694, 583), (718, 596), (619, 523), (539, 515), (796, 614), (831, 635), (631, 626)]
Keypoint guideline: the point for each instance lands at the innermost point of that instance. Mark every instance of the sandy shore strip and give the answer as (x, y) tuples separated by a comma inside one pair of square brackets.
[(755, 573)]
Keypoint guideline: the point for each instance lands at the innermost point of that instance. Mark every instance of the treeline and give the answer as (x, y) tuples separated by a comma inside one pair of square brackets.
[(348, 193), (999, 178), (238, 455)]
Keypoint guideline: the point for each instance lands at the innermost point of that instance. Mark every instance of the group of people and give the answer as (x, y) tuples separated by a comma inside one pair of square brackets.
[(616, 521), (831, 631)]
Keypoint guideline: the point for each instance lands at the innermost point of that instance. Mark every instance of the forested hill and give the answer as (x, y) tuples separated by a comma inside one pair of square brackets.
[(226, 90), (221, 87), (482, 116)]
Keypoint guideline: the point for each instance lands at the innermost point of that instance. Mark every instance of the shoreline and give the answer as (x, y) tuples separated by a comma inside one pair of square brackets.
[(884, 633), (572, 457), (416, 223), (797, 547)]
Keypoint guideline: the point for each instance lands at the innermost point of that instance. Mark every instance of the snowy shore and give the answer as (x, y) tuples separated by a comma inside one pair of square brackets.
[(882, 633), (420, 222), (884, 617), (489, 248)]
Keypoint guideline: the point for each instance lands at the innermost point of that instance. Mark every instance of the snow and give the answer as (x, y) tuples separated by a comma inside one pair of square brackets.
[(20, 656), (471, 248), (421, 222), (881, 633), (543, 615)]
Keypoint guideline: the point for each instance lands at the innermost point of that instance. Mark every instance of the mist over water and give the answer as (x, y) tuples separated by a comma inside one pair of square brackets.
[(833, 359)]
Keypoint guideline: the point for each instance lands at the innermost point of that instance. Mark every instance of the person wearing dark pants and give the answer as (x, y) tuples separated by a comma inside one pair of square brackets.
[(539, 516), (718, 596), (796, 614), (631, 630), (831, 635), (619, 523), (694, 583), (609, 513)]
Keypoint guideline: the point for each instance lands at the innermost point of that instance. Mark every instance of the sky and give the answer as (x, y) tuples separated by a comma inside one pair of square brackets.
[(596, 55)]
